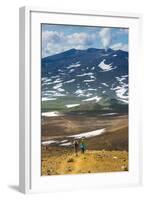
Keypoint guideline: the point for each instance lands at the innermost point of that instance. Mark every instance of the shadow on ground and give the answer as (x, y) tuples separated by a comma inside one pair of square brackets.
[(14, 187)]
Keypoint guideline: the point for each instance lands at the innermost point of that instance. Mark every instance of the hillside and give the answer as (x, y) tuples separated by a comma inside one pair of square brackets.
[(77, 77), (84, 95)]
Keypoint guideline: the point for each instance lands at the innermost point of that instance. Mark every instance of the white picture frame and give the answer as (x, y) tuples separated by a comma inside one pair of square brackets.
[(30, 175)]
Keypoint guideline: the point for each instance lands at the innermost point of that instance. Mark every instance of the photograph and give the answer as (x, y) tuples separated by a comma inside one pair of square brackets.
[(84, 99)]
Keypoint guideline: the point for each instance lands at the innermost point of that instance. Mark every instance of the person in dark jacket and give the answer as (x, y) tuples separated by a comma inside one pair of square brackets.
[(76, 147)]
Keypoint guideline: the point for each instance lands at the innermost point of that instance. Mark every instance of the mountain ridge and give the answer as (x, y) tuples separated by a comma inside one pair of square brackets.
[(86, 74)]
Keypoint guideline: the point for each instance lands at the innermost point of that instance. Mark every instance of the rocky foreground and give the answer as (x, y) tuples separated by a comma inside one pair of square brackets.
[(90, 162)]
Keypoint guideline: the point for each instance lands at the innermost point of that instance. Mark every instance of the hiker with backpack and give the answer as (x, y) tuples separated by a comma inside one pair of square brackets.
[(76, 147), (82, 145)]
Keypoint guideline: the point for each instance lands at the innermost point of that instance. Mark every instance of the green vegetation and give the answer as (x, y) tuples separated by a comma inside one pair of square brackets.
[(105, 105), (59, 103)]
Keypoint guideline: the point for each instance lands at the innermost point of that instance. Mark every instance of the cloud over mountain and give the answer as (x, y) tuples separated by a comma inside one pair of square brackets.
[(120, 46), (55, 42), (106, 37), (63, 38)]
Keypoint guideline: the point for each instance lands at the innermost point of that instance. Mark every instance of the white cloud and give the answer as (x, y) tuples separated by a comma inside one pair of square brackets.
[(120, 46), (123, 31), (52, 36), (81, 38), (55, 42), (50, 42), (105, 36)]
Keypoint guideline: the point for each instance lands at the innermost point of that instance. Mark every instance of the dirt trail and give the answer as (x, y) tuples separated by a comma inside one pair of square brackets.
[(90, 162)]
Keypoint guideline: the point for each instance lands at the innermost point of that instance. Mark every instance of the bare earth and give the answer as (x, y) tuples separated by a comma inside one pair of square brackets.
[(90, 162), (107, 152)]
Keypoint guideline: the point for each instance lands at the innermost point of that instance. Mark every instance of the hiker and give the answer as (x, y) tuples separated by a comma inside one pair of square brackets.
[(76, 146), (82, 145)]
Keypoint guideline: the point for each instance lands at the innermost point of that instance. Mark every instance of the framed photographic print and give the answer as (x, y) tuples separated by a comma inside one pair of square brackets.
[(79, 100)]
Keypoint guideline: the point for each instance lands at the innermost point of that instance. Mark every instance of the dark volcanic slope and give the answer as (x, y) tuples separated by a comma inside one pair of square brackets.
[(86, 73)]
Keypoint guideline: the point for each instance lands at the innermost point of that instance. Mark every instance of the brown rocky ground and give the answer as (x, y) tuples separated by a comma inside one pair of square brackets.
[(90, 162), (107, 152)]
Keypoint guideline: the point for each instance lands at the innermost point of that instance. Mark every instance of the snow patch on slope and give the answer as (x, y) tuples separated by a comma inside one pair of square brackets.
[(77, 64), (85, 74), (70, 81), (96, 98), (49, 142), (88, 134), (121, 93), (57, 86), (105, 67), (91, 80), (72, 105), (48, 99), (51, 114), (105, 84)]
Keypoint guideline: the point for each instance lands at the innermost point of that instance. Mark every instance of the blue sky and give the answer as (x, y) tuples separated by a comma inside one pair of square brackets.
[(59, 38)]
